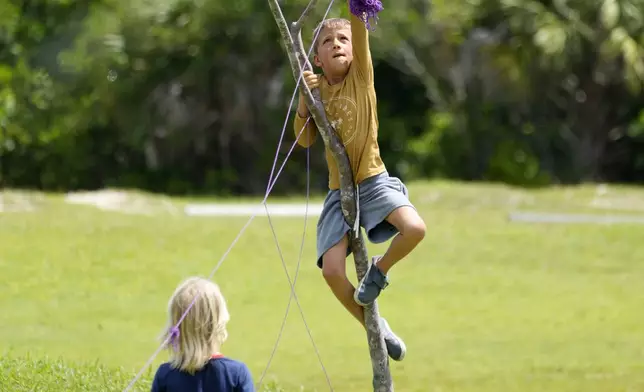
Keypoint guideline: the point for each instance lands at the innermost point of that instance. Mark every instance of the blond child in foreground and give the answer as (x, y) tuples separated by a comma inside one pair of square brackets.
[(196, 363)]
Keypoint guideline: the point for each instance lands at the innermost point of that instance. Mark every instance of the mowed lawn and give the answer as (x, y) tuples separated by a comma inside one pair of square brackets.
[(484, 304)]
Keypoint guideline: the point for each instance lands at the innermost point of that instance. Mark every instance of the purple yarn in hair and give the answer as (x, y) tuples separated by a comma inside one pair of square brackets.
[(365, 10), (174, 337)]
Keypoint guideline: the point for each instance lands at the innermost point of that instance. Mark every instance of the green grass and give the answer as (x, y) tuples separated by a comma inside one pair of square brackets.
[(483, 304), (45, 374)]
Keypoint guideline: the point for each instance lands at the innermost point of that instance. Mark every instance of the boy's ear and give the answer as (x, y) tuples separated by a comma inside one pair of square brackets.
[(316, 61)]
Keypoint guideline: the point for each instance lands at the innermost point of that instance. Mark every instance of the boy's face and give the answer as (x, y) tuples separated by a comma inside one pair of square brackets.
[(335, 51)]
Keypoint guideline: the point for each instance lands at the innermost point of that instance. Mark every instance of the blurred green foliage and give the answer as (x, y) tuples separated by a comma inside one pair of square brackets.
[(190, 96)]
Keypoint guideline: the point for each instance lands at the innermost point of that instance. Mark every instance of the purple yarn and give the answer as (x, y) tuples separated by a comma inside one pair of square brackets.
[(365, 10), (174, 337)]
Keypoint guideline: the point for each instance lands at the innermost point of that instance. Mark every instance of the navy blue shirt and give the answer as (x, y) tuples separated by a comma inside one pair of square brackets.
[(220, 374)]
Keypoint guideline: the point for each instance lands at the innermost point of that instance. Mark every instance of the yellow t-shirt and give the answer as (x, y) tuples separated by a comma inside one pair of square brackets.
[(351, 108)]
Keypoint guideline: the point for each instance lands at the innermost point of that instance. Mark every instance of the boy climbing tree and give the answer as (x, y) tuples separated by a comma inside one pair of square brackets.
[(346, 85)]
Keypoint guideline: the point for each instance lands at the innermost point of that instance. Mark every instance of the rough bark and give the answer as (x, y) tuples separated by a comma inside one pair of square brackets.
[(292, 39)]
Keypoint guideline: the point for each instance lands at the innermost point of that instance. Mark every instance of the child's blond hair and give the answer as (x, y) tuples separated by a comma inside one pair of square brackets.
[(331, 23), (203, 329)]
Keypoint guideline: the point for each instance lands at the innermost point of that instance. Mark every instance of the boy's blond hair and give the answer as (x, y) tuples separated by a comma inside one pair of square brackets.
[(203, 330), (331, 23)]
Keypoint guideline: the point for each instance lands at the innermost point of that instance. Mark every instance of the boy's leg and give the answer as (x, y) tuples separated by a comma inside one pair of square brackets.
[(332, 251), (387, 213), (333, 248), (411, 228), (334, 272)]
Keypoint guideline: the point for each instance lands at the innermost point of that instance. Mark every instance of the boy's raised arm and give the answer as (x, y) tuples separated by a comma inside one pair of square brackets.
[(361, 50)]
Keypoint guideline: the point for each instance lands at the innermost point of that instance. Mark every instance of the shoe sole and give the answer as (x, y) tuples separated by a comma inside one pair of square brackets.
[(403, 347)]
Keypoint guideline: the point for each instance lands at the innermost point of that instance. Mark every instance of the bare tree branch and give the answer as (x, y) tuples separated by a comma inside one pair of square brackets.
[(417, 68), (382, 381), (297, 26)]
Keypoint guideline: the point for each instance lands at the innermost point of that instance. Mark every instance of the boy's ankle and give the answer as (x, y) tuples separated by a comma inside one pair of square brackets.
[(376, 261), (370, 286)]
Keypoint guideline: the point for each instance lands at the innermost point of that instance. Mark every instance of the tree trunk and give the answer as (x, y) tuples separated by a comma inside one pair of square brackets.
[(591, 130)]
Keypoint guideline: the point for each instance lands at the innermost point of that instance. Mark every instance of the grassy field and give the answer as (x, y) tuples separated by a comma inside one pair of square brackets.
[(484, 304)]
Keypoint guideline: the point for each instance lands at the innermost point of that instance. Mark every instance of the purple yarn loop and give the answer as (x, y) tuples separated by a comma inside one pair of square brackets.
[(366, 10), (174, 337)]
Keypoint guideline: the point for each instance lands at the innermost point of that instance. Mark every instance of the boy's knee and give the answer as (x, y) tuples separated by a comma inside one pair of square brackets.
[(334, 261), (414, 229), (333, 269)]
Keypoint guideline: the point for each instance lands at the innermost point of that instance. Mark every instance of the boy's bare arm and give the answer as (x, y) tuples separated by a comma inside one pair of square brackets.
[(361, 50)]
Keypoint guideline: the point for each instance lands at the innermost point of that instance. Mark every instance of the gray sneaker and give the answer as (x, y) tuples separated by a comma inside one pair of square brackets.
[(395, 346), (373, 282)]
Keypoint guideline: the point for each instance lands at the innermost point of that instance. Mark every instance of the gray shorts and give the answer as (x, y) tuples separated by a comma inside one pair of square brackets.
[(379, 196)]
